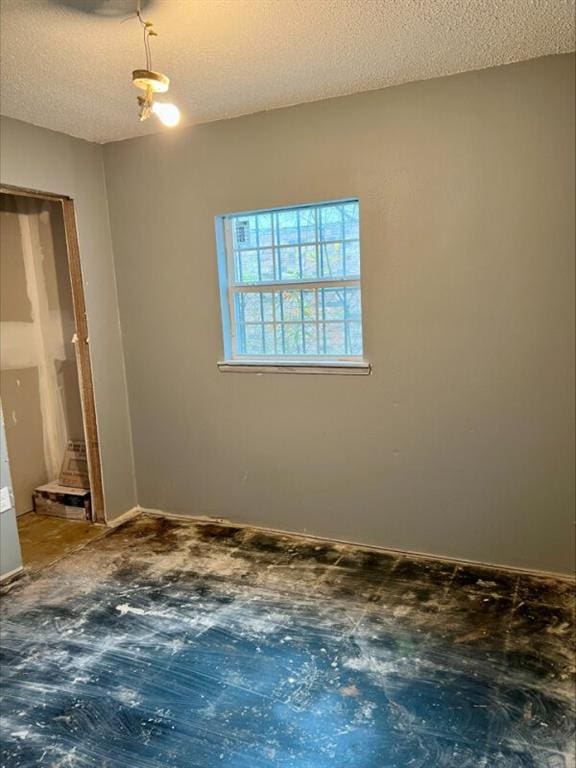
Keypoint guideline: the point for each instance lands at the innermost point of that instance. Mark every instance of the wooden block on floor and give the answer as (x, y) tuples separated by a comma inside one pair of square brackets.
[(62, 501)]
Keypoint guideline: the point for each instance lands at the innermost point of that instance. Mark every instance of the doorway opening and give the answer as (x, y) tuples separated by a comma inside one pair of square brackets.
[(45, 377)]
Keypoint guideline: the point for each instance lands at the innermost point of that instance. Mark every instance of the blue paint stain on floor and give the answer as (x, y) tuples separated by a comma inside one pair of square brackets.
[(173, 645)]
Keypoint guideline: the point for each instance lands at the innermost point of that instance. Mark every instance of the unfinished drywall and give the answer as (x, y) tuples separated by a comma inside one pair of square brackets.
[(38, 376), (19, 385), (20, 392), (36, 158), (460, 441)]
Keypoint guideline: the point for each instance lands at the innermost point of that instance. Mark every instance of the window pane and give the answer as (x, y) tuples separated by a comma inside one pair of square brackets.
[(352, 259), (335, 338), (269, 344), (308, 225), (331, 223), (289, 264), (290, 308), (248, 266), (318, 244), (280, 340), (333, 304), (310, 321), (296, 244), (309, 304), (311, 338), (293, 339), (267, 264), (287, 227), (244, 232), (251, 307), (254, 340), (309, 258), (351, 223), (355, 338), (332, 260), (267, 306), (265, 230), (353, 308)]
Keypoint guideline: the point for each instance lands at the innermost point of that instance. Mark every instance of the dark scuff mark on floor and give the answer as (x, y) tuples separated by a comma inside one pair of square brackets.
[(169, 644)]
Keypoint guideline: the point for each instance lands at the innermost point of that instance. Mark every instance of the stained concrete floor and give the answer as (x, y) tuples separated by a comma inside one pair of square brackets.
[(167, 644), (44, 538)]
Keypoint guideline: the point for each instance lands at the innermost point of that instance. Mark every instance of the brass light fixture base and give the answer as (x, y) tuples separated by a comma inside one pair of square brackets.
[(150, 81)]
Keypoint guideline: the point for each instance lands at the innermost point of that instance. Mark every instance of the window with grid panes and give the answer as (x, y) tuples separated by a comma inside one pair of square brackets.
[(290, 283)]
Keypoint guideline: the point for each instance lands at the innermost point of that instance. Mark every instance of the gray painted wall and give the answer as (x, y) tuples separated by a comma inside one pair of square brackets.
[(460, 442), (10, 555), (40, 159)]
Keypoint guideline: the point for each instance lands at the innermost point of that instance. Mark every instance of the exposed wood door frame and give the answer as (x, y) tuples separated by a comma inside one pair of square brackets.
[(81, 345)]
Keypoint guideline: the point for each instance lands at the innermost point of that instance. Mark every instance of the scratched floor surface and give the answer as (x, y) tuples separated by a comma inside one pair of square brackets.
[(172, 645)]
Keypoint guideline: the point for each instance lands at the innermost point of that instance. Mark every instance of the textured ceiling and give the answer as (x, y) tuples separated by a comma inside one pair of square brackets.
[(66, 64)]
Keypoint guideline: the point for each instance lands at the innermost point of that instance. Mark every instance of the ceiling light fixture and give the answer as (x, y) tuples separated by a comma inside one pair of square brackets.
[(153, 82)]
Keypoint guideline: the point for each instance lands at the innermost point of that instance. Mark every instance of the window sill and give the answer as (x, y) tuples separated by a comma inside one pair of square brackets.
[(341, 368)]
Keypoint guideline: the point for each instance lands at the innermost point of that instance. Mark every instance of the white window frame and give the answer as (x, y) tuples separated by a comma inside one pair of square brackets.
[(234, 361)]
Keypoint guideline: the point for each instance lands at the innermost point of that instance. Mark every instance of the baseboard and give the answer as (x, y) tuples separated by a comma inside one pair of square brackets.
[(11, 573), (198, 518), (361, 545), (130, 514)]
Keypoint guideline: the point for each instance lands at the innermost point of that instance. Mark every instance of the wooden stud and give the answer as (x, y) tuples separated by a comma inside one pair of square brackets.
[(84, 363)]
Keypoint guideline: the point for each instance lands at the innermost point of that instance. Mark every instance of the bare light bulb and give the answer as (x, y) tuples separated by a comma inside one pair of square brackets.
[(168, 114)]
